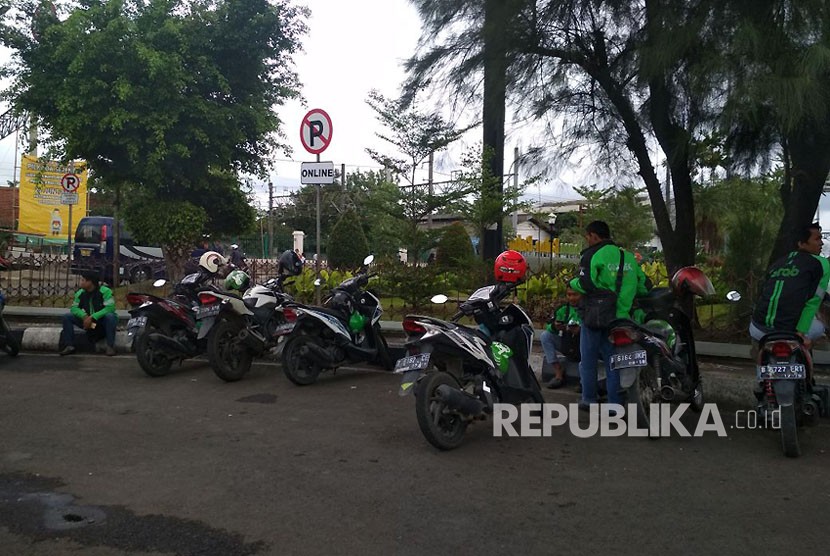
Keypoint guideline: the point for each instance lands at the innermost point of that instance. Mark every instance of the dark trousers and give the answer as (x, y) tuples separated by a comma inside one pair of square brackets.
[(104, 328)]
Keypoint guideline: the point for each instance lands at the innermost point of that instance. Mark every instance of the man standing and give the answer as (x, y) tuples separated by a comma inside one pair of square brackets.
[(599, 274), (94, 311), (793, 291)]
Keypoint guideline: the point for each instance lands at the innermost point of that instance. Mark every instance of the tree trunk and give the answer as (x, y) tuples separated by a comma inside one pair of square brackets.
[(495, 72), (175, 258), (809, 152)]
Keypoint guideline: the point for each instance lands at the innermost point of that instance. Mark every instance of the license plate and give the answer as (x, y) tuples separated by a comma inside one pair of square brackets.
[(628, 360), (135, 323), (781, 371), (204, 312), (86, 252), (412, 363), (284, 329)]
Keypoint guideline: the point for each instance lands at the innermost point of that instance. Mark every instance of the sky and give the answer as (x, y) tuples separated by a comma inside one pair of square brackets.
[(352, 47)]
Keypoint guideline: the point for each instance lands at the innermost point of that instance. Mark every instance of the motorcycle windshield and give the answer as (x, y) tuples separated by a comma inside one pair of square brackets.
[(482, 293)]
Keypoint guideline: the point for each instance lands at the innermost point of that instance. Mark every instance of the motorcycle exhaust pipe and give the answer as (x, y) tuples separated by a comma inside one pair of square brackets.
[(319, 355), (172, 344), (251, 341), (460, 401), (668, 393)]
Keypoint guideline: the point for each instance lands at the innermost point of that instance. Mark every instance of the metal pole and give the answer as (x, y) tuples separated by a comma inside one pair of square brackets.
[(515, 219), (69, 245), (267, 255), (317, 262), (429, 216)]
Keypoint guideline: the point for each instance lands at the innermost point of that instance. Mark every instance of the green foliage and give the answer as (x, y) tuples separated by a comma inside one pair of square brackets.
[(415, 284), (170, 223), (656, 272), (302, 287), (623, 209), (347, 246), (454, 249)]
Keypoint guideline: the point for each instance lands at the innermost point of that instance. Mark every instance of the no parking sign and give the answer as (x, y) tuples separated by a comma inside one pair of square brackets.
[(316, 131)]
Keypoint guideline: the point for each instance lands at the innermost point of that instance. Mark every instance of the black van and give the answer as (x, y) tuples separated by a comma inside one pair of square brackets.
[(93, 250)]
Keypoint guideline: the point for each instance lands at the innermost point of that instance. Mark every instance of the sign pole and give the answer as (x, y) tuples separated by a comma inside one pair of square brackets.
[(69, 246), (317, 261)]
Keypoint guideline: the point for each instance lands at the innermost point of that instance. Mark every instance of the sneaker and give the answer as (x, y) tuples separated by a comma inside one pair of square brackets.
[(68, 350), (110, 351), (556, 382), (586, 407)]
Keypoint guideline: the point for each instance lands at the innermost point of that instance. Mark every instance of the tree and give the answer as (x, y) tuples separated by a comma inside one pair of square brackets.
[(623, 209), (415, 135), (454, 249), (347, 246), (169, 101)]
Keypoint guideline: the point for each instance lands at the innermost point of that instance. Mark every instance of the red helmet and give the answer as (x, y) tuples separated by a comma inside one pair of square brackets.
[(510, 266), (691, 279)]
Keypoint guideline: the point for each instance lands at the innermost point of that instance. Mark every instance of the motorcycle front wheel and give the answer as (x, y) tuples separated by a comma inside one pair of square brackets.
[(228, 356), (151, 360), (10, 343), (789, 431), (298, 368), (444, 430)]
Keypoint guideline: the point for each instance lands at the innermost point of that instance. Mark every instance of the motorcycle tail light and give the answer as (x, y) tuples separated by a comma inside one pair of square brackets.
[(290, 315), (207, 298), (781, 349), (136, 299), (623, 337), (411, 326)]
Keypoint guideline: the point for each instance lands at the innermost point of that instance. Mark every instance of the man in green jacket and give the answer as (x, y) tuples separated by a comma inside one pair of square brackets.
[(94, 311), (598, 269)]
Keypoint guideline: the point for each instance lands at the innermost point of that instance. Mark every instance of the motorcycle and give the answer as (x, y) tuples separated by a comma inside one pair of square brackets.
[(656, 360), (166, 330), (786, 386), (346, 329), (459, 373), (8, 342), (238, 328)]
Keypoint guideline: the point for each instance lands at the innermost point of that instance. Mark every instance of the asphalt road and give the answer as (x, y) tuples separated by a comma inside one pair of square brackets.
[(98, 459)]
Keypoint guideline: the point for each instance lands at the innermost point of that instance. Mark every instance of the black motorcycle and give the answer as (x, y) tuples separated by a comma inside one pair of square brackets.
[(656, 360), (8, 342), (346, 329), (459, 373), (165, 330)]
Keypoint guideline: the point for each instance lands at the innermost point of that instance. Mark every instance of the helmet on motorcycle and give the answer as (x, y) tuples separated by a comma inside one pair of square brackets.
[(691, 279), (237, 280), (290, 263), (510, 267), (210, 261), (663, 329)]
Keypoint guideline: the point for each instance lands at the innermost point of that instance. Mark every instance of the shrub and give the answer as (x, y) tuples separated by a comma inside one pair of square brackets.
[(454, 249), (347, 245)]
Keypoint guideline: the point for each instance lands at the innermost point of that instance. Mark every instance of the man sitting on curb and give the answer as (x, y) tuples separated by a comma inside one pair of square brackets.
[(94, 311), (560, 340)]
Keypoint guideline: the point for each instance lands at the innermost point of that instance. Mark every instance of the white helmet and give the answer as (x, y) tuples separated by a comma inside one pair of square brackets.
[(211, 261)]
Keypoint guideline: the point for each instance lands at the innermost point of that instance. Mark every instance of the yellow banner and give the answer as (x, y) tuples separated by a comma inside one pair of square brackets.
[(43, 191)]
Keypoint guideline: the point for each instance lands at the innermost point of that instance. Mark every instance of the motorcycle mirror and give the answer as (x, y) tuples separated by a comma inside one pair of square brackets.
[(317, 282), (368, 260), (159, 283), (439, 299), (733, 296)]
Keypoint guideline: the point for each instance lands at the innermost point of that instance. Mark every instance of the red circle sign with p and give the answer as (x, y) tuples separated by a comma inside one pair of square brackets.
[(315, 131), (70, 183)]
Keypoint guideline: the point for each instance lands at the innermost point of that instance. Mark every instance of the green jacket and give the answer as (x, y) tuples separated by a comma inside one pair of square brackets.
[(97, 303), (598, 271), (567, 314)]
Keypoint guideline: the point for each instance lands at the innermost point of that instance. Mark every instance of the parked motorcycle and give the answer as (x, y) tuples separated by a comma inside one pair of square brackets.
[(8, 342), (346, 329), (656, 360), (458, 373), (166, 330), (239, 328), (786, 386)]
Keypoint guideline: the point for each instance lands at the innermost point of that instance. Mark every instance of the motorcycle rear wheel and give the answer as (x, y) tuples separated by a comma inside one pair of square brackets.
[(642, 392), (383, 358), (445, 431), (298, 369), (789, 432), (228, 356), (152, 362), (11, 345)]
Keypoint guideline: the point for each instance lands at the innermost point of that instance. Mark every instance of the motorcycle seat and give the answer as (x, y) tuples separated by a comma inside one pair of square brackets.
[(658, 299), (780, 335)]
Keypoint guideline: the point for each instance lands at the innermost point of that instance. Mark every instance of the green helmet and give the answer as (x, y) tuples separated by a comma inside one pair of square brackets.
[(357, 322), (664, 330), (237, 280)]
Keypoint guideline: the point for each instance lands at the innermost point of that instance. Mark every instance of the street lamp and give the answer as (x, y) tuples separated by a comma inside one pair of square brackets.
[(553, 232)]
